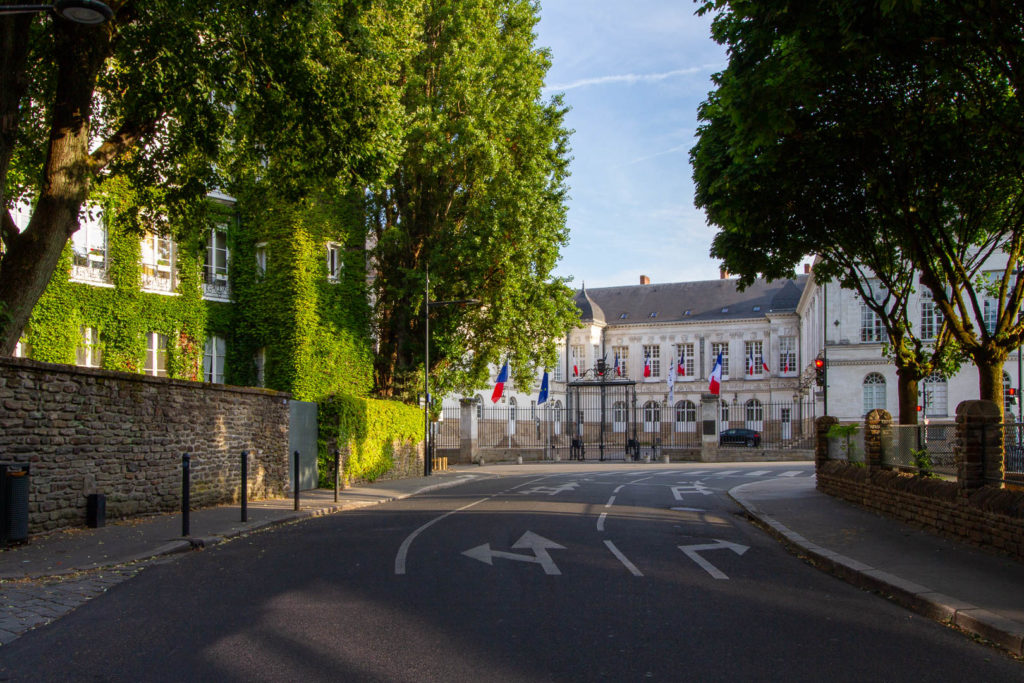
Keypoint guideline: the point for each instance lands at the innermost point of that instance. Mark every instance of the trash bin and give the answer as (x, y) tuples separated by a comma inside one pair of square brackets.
[(95, 510), (13, 502)]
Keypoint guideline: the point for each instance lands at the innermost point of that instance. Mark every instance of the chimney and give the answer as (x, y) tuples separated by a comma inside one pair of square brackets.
[(807, 269), (723, 274), (644, 280)]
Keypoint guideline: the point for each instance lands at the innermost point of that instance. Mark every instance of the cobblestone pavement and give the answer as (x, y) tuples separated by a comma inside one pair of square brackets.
[(30, 603)]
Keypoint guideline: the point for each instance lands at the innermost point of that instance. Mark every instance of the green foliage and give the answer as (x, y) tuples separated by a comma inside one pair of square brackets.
[(922, 461), (478, 199), (845, 434), (368, 428)]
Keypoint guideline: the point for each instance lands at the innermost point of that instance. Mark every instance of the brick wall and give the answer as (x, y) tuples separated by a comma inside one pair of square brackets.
[(95, 431), (987, 516)]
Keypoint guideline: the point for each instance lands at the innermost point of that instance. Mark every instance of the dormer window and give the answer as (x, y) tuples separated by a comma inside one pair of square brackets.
[(686, 312), (756, 309), (725, 310), (652, 314), (623, 316)]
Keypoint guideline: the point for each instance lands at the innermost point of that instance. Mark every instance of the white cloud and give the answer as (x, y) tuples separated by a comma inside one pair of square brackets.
[(632, 78)]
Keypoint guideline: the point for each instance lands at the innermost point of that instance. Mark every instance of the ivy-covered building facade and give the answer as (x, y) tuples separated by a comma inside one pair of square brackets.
[(257, 292)]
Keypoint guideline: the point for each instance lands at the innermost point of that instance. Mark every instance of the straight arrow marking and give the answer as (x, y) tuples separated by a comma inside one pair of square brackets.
[(693, 550), (538, 544)]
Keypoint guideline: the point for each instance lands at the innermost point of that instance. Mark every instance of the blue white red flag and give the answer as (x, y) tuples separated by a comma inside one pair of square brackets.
[(647, 366), (543, 396), (618, 368), (681, 366), (499, 384), (764, 365), (715, 385)]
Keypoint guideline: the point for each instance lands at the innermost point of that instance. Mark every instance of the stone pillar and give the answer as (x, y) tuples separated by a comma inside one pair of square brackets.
[(877, 423), (821, 427), (978, 450), (709, 412), (469, 447)]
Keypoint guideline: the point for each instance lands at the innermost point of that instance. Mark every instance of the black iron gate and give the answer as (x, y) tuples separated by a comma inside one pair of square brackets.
[(602, 420)]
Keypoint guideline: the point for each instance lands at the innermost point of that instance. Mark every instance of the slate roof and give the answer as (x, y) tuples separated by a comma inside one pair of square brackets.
[(708, 300)]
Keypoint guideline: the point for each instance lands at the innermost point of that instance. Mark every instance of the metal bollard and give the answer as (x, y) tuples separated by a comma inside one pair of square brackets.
[(295, 482), (337, 471), (185, 485), (245, 486)]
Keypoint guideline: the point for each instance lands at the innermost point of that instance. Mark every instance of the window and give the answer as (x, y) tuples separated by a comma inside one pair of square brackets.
[(787, 355), (333, 261), (89, 249), (260, 359), (988, 312), (576, 359), (652, 352), (686, 416), (22, 348), (874, 392), (754, 414), (619, 416), (597, 354), (215, 267), (725, 413), (158, 263), (261, 259), (533, 410), (934, 396), (479, 401), (652, 417), (559, 375), (89, 354), (723, 348), (870, 325), (684, 358), (213, 360), (512, 412), (558, 418), (156, 354), (931, 316), (753, 358), (622, 354)]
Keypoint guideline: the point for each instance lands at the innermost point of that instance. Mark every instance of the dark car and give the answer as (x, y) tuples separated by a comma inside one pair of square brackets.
[(744, 437)]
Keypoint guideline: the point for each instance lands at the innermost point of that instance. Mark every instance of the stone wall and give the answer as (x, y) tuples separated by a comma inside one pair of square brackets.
[(987, 516), (122, 435)]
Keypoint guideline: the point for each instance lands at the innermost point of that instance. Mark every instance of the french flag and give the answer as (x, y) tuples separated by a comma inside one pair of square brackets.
[(618, 368), (575, 370), (499, 384), (750, 364), (681, 367), (715, 386), (764, 366), (647, 366)]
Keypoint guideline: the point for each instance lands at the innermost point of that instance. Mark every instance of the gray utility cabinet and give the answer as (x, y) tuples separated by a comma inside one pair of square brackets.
[(302, 437)]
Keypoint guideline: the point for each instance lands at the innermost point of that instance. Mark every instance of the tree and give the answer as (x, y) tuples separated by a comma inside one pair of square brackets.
[(865, 132), (172, 96), (478, 199)]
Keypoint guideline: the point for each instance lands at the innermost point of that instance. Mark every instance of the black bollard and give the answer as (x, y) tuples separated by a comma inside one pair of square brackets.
[(185, 485), (245, 486), (337, 470), (296, 480)]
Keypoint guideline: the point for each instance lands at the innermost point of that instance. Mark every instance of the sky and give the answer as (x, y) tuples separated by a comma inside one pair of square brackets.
[(633, 74)]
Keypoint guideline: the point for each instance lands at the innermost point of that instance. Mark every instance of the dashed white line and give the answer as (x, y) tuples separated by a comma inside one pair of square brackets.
[(758, 473), (611, 501), (600, 521), (724, 473), (794, 473), (623, 559), (618, 488)]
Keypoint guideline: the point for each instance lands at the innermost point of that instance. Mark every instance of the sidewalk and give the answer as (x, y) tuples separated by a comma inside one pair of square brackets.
[(75, 550), (945, 580)]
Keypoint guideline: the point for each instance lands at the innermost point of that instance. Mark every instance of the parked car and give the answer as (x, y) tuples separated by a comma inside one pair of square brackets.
[(745, 437)]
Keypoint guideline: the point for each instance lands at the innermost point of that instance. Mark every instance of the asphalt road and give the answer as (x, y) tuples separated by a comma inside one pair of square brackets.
[(580, 573)]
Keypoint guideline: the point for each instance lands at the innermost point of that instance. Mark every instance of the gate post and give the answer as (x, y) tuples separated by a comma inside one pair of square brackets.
[(469, 446), (709, 427)]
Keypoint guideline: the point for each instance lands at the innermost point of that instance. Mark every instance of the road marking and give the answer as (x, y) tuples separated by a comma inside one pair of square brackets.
[(689, 509), (623, 559), (692, 550), (600, 521), (724, 473), (610, 502), (618, 488), (696, 487), (758, 473), (551, 490), (537, 544), (794, 473), (403, 550)]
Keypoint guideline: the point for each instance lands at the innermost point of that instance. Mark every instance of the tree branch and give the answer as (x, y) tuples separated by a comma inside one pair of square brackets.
[(130, 133), (8, 230)]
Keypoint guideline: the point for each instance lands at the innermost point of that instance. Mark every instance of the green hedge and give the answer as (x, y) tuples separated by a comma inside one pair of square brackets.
[(369, 428)]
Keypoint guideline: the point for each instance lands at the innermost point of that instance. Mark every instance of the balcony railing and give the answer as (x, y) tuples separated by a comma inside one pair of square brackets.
[(216, 286)]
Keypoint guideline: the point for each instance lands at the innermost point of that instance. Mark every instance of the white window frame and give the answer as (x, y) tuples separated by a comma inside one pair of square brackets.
[(156, 355), (334, 264), (159, 256), (753, 358), (685, 416), (652, 417), (213, 359), (89, 353), (753, 413), (620, 416), (685, 351), (931, 316), (261, 259), (89, 260), (576, 358), (215, 264), (871, 329), (787, 356), (873, 392), (722, 347), (623, 354), (654, 352)]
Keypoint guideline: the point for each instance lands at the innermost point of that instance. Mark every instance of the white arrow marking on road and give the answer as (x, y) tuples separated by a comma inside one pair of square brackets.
[(695, 487), (692, 550), (538, 544), (551, 490)]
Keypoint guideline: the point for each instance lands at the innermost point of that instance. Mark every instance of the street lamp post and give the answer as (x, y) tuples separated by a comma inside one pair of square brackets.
[(427, 304), (88, 12)]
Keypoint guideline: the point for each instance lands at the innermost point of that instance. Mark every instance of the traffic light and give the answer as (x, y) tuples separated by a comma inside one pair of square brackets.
[(1011, 396), (819, 371)]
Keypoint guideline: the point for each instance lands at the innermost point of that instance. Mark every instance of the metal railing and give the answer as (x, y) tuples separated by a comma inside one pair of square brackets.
[(920, 448)]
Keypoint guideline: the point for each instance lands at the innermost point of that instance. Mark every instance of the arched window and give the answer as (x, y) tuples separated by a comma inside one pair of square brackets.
[(725, 413), (652, 416), (933, 396), (754, 414), (874, 392), (686, 416), (558, 417), (619, 416)]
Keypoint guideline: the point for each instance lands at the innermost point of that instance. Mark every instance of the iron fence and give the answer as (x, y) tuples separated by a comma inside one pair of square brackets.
[(920, 448), (1013, 449), (781, 424)]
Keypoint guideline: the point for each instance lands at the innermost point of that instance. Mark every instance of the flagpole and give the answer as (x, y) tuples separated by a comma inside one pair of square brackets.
[(426, 372)]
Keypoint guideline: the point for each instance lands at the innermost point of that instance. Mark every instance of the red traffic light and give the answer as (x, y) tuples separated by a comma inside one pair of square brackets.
[(819, 363), (1013, 392), (919, 409)]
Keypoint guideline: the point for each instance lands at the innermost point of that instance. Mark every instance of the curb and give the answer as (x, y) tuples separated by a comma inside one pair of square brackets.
[(1006, 633)]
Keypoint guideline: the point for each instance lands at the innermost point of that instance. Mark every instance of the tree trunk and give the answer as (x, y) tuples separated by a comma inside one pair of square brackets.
[(990, 378), (907, 387)]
